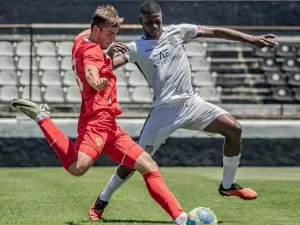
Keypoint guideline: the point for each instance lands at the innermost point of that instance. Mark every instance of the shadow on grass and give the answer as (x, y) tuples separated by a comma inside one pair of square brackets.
[(135, 221), (108, 221)]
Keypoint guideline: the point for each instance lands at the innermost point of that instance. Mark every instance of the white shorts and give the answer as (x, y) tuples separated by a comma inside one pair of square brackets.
[(193, 114)]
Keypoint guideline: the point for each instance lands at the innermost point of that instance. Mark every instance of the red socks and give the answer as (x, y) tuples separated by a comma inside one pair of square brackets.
[(63, 146), (162, 195)]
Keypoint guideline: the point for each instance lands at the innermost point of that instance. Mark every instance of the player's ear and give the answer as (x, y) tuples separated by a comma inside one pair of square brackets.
[(140, 20), (94, 28)]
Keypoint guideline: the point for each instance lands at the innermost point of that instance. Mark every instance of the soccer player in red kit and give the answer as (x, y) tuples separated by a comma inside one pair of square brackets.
[(97, 128)]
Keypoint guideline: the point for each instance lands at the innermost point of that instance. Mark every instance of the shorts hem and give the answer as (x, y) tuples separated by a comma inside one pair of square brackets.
[(205, 125), (94, 157)]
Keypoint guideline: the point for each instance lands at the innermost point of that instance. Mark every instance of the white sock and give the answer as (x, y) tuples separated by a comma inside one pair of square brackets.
[(114, 183), (181, 218), (41, 116), (230, 165)]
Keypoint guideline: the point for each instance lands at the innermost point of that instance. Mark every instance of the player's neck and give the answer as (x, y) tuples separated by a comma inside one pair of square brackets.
[(92, 38), (146, 36)]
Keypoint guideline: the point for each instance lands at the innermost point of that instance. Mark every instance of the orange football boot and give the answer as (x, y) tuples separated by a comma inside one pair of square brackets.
[(97, 209), (237, 190)]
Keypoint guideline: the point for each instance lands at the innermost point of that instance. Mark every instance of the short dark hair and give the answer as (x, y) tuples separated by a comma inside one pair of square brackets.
[(105, 16), (149, 7)]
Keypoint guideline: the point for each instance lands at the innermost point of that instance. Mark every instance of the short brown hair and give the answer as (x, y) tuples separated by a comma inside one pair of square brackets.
[(105, 16)]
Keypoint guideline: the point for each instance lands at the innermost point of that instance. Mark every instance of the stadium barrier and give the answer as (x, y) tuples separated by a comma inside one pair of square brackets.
[(36, 32), (266, 143)]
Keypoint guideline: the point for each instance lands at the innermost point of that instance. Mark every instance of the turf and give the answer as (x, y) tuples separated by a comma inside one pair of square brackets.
[(51, 196)]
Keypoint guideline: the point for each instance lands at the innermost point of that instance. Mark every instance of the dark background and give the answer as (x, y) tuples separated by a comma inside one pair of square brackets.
[(283, 13)]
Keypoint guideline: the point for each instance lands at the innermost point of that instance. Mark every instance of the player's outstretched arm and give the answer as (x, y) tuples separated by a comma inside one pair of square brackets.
[(268, 40)]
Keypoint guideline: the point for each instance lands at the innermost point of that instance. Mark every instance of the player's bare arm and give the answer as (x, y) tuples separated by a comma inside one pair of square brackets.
[(115, 51), (118, 61), (268, 40), (92, 77)]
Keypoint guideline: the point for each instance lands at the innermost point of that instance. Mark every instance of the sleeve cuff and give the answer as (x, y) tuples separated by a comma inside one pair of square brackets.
[(198, 32), (125, 58)]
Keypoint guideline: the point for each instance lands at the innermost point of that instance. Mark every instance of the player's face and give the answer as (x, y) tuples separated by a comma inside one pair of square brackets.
[(106, 36), (152, 24)]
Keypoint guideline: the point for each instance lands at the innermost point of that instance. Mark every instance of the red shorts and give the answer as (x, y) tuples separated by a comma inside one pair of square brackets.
[(114, 143)]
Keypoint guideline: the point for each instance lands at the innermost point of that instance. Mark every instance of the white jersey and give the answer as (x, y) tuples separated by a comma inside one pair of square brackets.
[(164, 63)]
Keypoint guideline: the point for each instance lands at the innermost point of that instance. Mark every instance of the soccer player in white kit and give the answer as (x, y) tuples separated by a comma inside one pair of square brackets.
[(161, 58)]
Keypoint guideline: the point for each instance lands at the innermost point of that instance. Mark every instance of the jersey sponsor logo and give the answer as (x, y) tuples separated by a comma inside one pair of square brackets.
[(163, 58), (172, 41)]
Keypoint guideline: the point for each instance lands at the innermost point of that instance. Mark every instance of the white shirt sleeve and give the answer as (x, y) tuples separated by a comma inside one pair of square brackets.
[(189, 31), (130, 55)]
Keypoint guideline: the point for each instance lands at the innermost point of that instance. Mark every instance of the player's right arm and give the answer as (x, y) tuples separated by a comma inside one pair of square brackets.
[(93, 60), (93, 78)]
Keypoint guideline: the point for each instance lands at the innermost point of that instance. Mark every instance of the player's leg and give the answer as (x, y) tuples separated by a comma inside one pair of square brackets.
[(76, 163), (150, 140), (126, 152), (229, 127), (212, 119), (156, 130), (158, 189)]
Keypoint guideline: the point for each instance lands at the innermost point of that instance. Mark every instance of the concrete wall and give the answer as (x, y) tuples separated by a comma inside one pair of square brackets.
[(265, 143), (29, 152), (200, 12)]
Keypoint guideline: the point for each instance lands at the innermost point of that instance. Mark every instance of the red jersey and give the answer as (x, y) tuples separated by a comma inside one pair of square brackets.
[(94, 103)]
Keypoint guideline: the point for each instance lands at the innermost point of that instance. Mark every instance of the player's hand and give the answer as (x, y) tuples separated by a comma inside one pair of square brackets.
[(268, 40), (117, 47), (102, 84)]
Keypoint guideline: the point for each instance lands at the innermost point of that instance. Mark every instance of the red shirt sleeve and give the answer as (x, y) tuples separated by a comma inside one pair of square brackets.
[(94, 56)]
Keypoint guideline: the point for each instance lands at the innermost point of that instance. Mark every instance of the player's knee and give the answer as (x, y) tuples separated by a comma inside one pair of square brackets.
[(81, 165), (237, 130), (145, 164), (124, 172), (234, 132), (78, 170)]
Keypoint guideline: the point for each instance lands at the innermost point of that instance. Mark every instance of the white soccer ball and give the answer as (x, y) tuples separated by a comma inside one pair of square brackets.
[(201, 216)]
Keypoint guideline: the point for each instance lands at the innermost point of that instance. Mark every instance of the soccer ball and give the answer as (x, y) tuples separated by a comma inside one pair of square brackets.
[(201, 216)]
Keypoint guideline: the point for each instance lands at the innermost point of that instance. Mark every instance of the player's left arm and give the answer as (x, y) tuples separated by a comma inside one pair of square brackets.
[(125, 54), (115, 52), (191, 31), (268, 40)]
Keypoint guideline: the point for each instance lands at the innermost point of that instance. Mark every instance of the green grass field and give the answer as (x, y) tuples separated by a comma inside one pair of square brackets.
[(51, 196)]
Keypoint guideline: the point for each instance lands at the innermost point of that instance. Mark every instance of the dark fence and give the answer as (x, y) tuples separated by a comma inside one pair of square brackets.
[(192, 152), (212, 12)]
